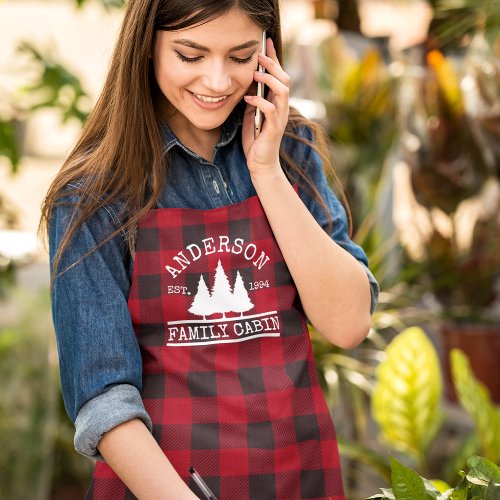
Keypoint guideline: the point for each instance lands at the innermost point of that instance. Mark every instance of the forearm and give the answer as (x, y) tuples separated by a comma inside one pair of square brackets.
[(132, 452), (333, 286)]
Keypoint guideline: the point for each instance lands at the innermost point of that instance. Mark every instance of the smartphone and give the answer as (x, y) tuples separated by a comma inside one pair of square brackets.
[(260, 92)]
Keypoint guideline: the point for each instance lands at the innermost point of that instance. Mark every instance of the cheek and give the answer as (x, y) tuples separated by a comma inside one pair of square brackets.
[(245, 77), (161, 75), (180, 73), (170, 74)]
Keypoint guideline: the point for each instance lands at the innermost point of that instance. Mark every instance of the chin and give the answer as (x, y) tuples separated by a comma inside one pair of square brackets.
[(209, 124)]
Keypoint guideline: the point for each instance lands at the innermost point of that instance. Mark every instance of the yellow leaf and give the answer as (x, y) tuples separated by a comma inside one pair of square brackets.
[(406, 398)]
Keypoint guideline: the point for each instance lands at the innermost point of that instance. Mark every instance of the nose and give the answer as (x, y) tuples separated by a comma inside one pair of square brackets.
[(217, 78)]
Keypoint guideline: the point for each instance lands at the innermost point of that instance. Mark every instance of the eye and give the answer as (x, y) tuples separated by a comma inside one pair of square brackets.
[(237, 60), (187, 59), (243, 61)]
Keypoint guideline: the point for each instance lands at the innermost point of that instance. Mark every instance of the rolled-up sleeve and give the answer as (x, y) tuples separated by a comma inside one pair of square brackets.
[(99, 357), (311, 162)]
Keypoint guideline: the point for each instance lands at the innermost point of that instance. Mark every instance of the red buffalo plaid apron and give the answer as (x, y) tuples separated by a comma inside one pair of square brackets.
[(229, 378)]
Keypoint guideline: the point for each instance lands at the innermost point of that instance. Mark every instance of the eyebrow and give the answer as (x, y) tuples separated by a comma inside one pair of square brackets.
[(194, 45)]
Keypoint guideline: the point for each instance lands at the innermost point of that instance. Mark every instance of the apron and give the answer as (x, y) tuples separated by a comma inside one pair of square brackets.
[(229, 377)]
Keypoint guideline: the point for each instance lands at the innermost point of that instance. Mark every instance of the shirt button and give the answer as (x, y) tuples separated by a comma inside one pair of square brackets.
[(216, 187)]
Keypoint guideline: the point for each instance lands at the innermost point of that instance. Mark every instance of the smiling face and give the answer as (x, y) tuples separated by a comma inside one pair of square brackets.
[(204, 71)]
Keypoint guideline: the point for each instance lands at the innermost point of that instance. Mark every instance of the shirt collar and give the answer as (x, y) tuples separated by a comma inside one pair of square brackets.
[(229, 129)]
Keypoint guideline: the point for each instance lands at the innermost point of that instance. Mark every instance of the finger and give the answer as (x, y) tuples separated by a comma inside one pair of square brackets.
[(273, 67), (270, 50), (250, 108), (268, 108), (278, 93), (279, 88), (271, 53)]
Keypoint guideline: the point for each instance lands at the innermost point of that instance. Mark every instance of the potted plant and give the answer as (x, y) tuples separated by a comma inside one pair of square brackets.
[(406, 405), (414, 425)]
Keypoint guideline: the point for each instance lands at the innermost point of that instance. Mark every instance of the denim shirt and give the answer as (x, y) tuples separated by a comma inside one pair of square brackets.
[(99, 357)]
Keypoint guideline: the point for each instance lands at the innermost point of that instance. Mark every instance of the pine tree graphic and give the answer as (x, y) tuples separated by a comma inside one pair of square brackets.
[(241, 300), (202, 303), (222, 297)]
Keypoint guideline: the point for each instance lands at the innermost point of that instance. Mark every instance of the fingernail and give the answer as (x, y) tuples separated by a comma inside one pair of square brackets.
[(248, 97)]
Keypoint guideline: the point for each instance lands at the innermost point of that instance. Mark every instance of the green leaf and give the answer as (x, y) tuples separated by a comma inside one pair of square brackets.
[(406, 484), (55, 86), (406, 398), (492, 492), (484, 468), (460, 491), (9, 146), (458, 495), (477, 492), (475, 398)]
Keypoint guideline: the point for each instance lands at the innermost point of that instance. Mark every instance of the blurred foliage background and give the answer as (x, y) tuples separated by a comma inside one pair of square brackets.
[(409, 93)]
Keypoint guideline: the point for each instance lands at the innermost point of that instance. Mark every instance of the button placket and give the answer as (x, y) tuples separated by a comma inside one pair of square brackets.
[(220, 185), (211, 185), (227, 190)]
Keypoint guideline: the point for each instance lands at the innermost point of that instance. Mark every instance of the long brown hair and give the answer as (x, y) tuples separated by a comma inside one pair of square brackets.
[(120, 152)]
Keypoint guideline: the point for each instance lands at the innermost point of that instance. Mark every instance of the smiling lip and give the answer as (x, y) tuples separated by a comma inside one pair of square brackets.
[(209, 105)]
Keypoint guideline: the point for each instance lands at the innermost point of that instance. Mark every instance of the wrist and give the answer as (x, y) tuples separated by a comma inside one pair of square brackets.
[(268, 177)]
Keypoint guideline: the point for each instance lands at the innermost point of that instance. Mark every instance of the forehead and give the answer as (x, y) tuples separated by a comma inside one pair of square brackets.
[(230, 29)]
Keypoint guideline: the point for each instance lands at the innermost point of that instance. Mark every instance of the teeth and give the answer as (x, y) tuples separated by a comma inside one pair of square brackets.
[(204, 98)]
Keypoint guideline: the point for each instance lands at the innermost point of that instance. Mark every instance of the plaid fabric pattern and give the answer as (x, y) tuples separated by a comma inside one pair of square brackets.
[(229, 375)]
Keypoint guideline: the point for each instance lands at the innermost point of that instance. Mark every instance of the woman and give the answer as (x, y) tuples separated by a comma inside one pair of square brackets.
[(185, 256)]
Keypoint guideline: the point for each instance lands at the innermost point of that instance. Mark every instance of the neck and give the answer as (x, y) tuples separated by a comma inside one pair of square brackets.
[(201, 142)]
